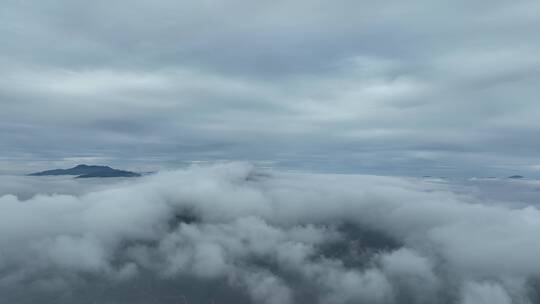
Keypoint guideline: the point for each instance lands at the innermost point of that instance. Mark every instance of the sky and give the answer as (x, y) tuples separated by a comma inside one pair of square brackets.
[(442, 88)]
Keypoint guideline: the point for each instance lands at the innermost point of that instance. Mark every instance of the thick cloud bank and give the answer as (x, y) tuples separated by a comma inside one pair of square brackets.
[(417, 87), (231, 233)]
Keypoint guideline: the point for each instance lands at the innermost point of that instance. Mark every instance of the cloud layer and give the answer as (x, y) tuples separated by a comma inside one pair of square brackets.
[(393, 87), (232, 233)]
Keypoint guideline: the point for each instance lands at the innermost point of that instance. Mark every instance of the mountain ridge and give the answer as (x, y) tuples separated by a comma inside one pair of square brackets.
[(87, 171)]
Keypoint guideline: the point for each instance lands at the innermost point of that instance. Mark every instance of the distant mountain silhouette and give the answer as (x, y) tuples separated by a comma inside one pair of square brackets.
[(516, 177), (85, 171)]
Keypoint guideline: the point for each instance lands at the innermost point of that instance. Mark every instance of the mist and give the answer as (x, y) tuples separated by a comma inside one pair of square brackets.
[(235, 233)]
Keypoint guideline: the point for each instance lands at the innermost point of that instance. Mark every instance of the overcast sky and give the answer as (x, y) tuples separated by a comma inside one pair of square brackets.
[(418, 87)]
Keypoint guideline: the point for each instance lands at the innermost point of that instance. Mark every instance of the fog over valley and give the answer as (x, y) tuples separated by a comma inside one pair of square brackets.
[(234, 233)]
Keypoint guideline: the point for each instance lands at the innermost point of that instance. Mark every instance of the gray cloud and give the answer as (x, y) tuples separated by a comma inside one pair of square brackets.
[(233, 233), (420, 87)]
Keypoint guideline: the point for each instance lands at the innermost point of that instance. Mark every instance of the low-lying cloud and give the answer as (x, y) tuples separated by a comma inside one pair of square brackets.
[(232, 233)]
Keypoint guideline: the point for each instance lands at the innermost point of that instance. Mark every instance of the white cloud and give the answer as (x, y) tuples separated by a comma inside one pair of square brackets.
[(275, 238)]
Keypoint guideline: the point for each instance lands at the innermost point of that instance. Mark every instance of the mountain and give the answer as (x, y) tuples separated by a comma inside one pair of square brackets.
[(85, 171), (516, 177)]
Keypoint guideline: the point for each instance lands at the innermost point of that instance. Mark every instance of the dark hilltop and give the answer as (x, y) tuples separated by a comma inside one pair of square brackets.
[(86, 171)]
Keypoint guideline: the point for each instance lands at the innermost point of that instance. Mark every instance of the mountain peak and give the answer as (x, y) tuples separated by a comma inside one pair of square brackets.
[(86, 171)]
